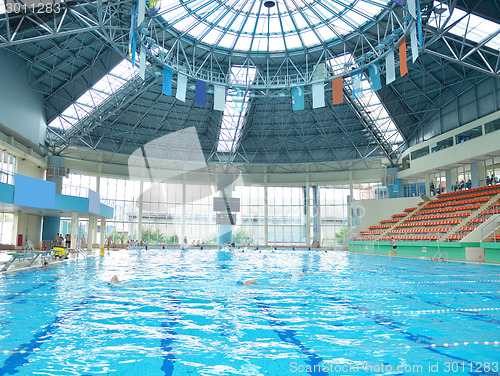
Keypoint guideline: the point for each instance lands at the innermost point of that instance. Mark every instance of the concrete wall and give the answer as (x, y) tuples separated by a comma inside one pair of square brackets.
[(28, 168), (30, 227), (21, 108), (454, 250), (373, 211), (476, 149)]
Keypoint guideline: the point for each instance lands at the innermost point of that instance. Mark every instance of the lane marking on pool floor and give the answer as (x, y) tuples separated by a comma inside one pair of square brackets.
[(353, 294), (457, 281), (433, 345), (441, 311)]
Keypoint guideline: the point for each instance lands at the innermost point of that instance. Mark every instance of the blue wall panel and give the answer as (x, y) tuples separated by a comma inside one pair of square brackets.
[(6, 193), (34, 192), (72, 203)]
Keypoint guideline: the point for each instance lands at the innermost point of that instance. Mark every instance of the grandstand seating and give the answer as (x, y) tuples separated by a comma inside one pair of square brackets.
[(440, 218)]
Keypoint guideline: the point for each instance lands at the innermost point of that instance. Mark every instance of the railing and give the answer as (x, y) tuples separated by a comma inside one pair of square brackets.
[(491, 229)]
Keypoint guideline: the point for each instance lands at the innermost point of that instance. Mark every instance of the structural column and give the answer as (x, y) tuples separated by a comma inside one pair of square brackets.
[(55, 173), (74, 230), (139, 220), (474, 176), (428, 185), (266, 218), (307, 225), (349, 202), (225, 231), (452, 178), (90, 239), (94, 230), (183, 211), (103, 232), (481, 174), (316, 215)]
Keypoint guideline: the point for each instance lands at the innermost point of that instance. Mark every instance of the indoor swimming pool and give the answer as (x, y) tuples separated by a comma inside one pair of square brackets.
[(184, 314)]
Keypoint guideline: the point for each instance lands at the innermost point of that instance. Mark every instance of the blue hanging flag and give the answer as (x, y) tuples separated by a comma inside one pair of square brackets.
[(167, 81), (374, 70), (132, 39), (419, 25), (297, 98), (201, 93), (399, 2), (357, 88)]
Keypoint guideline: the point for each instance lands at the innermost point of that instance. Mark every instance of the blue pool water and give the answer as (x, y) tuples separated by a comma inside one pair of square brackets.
[(358, 314)]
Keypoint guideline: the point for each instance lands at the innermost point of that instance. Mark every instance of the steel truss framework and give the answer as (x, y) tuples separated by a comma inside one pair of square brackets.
[(457, 58)]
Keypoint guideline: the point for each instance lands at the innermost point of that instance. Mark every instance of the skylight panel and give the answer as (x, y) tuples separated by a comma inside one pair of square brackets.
[(288, 17), (2, 7), (211, 37), (370, 102), (469, 26), (475, 28), (92, 98), (276, 43), (325, 32), (228, 40), (235, 109), (243, 43), (309, 38), (293, 41)]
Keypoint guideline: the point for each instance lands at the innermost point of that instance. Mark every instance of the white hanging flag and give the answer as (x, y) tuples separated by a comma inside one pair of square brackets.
[(318, 92), (141, 7), (142, 63), (412, 8), (390, 72), (219, 97), (414, 43), (181, 87)]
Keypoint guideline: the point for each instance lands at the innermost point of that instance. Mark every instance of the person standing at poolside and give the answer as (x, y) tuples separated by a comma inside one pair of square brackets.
[(394, 246)]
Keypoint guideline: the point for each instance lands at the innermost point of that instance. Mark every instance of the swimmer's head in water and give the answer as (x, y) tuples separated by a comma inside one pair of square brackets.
[(304, 270), (239, 283)]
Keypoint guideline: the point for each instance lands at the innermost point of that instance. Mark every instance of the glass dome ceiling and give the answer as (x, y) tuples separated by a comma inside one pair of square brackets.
[(280, 25)]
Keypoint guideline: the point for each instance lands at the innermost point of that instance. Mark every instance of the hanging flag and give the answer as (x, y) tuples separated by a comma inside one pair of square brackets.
[(318, 92), (414, 43), (181, 87), (167, 81), (154, 7), (390, 74), (132, 39), (140, 11), (399, 2), (297, 98), (357, 88), (419, 23), (134, 48), (201, 93), (219, 97), (412, 8), (142, 63), (374, 70), (403, 68), (337, 90)]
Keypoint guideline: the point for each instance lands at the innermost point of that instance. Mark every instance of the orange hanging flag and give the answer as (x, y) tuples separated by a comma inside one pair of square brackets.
[(403, 68), (338, 94)]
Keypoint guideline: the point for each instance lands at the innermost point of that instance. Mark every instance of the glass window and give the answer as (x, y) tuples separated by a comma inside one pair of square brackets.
[(419, 153), (469, 134), (492, 126), (7, 167), (443, 144)]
